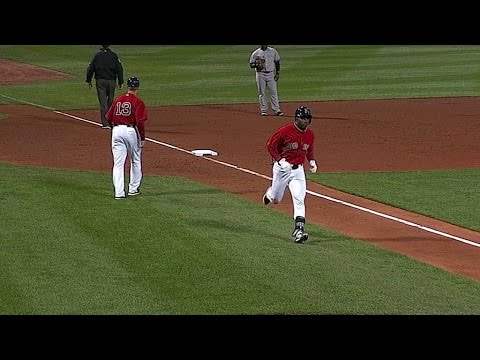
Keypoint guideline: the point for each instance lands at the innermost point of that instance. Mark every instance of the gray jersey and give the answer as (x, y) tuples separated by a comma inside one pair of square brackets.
[(270, 55)]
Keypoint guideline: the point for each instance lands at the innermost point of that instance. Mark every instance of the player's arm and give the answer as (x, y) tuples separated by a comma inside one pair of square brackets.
[(273, 145), (310, 153), (311, 157), (256, 62), (252, 60), (141, 116)]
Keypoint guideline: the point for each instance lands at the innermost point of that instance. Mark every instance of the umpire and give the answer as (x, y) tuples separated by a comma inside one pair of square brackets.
[(108, 69)]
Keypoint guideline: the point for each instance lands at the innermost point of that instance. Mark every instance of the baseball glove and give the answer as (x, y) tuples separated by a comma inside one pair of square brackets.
[(259, 63)]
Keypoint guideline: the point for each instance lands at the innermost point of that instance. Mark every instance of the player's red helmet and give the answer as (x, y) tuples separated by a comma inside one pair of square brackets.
[(133, 81), (304, 112)]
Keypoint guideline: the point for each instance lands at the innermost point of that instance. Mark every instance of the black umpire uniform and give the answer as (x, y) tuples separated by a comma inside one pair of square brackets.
[(107, 69)]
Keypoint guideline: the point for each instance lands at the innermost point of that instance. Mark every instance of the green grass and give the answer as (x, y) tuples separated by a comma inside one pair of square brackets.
[(69, 248), (217, 74), (448, 195)]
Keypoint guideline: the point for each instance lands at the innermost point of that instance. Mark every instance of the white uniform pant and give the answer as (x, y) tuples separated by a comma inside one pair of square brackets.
[(264, 81), (125, 141), (296, 182)]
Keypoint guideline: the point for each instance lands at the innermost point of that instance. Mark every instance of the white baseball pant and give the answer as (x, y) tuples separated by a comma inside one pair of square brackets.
[(296, 182), (125, 141)]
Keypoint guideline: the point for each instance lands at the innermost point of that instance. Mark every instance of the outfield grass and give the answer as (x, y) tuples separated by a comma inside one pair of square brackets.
[(67, 247), (217, 74), (448, 195)]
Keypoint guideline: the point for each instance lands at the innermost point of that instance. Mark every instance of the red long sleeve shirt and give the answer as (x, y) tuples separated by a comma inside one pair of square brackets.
[(128, 109), (291, 143)]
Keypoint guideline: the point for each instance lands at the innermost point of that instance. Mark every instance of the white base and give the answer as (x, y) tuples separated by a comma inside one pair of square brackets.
[(204, 152)]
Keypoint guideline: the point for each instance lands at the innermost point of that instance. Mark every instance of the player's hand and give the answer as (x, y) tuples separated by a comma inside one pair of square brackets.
[(313, 166), (277, 75), (142, 143), (89, 85), (120, 86), (284, 164)]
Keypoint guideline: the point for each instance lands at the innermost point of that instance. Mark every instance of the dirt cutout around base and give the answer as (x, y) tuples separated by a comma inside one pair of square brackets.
[(14, 72), (371, 135)]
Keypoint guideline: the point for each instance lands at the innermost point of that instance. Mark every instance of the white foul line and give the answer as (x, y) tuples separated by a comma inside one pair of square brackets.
[(406, 222), (361, 208)]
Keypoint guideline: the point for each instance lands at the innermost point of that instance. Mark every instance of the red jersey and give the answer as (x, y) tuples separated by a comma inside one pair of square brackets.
[(291, 143), (128, 109)]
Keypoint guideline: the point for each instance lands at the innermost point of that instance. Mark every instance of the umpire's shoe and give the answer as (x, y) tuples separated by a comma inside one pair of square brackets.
[(299, 236)]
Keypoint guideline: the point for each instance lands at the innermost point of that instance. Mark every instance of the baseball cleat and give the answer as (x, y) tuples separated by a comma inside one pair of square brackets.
[(264, 113), (299, 236), (279, 113), (119, 197), (266, 200), (134, 193)]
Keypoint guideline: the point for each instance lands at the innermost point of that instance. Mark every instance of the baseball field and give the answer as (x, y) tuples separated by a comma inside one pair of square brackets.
[(392, 212)]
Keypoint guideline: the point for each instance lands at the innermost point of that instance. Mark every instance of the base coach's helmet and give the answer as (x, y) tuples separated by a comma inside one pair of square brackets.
[(133, 81), (304, 112)]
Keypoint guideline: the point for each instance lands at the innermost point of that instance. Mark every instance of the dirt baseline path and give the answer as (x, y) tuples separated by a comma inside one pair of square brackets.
[(382, 135)]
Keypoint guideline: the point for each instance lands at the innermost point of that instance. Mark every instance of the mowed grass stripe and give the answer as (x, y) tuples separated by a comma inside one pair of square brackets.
[(183, 248)]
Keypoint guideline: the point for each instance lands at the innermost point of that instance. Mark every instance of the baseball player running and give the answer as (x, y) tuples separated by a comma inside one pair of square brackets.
[(127, 117), (289, 146)]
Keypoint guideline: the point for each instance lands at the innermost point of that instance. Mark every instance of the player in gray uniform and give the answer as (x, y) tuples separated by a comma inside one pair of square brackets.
[(266, 62)]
